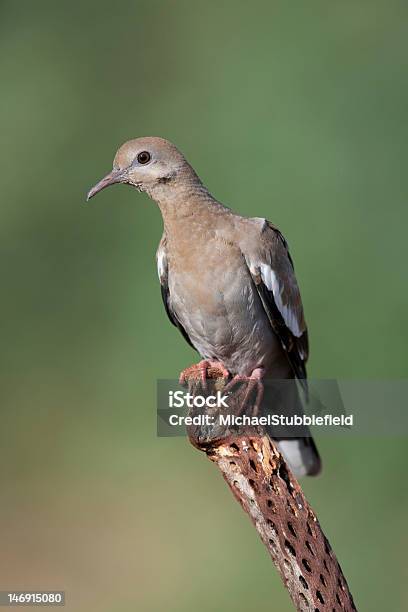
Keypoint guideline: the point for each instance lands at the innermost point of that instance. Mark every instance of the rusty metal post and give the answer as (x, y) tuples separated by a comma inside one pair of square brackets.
[(269, 493)]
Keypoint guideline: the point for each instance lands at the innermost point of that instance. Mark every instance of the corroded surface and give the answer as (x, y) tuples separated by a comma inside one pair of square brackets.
[(269, 493)]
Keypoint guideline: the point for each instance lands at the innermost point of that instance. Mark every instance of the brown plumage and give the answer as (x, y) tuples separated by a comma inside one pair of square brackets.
[(228, 281)]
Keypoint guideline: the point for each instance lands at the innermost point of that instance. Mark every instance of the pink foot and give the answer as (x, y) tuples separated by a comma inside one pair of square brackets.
[(200, 370), (254, 384)]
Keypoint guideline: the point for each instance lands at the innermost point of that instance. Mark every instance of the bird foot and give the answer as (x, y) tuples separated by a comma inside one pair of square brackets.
[(254, 386), (202, 371)]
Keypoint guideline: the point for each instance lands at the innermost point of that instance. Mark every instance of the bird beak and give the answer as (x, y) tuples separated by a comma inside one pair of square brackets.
[(116, 176)]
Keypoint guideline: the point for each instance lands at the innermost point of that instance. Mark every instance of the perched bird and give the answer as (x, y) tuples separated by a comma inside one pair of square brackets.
[(227, 281)]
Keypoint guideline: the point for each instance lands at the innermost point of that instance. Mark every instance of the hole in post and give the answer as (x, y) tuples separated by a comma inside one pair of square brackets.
[(253, 465), (310, 530), (272, 544), (302, 598), (303, 582), (292, 530), (252, 484), (319, 597), (290, 548), (306, 565)]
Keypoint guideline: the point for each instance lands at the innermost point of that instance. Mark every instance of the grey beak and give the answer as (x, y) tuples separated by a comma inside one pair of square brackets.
[(116, 176)]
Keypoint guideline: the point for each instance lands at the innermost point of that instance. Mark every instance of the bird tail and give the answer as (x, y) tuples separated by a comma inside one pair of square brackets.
[(300, 453)]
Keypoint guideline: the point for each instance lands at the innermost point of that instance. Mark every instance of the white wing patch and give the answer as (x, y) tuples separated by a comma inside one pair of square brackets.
[(271, 281), (161, 264)]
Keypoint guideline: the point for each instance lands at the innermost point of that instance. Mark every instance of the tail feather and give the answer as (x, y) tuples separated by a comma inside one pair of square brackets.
[(301, 456), (300, 453)]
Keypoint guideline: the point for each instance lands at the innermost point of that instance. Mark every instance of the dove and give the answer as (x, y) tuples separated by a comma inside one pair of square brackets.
[(227, 281)]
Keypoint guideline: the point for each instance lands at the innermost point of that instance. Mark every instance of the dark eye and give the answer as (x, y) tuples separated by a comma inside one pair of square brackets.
[(143, 157)]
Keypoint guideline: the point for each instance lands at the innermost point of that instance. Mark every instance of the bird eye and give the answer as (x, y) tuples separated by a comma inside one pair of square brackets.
[(143, 157)]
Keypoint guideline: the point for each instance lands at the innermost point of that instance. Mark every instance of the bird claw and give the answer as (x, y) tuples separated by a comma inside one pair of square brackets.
[(200, 372), (254, 384)]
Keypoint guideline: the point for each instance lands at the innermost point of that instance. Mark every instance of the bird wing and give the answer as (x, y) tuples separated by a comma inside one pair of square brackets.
[(162, 270), (272, 270)]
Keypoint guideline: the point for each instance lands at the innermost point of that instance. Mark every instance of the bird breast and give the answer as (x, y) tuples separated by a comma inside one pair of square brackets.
[(216, 301)]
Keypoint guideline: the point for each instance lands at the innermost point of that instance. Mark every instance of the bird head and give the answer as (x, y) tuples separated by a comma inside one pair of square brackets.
[(147, 163)]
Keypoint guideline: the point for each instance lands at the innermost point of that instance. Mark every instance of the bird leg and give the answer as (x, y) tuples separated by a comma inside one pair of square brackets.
[(200, 371), (254, 384)]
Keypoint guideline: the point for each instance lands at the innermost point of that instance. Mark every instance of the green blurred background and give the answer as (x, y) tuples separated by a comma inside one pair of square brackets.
[(292, 111)]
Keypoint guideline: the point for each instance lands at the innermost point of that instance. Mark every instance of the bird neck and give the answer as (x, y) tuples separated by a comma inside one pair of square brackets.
[(181, 197)]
